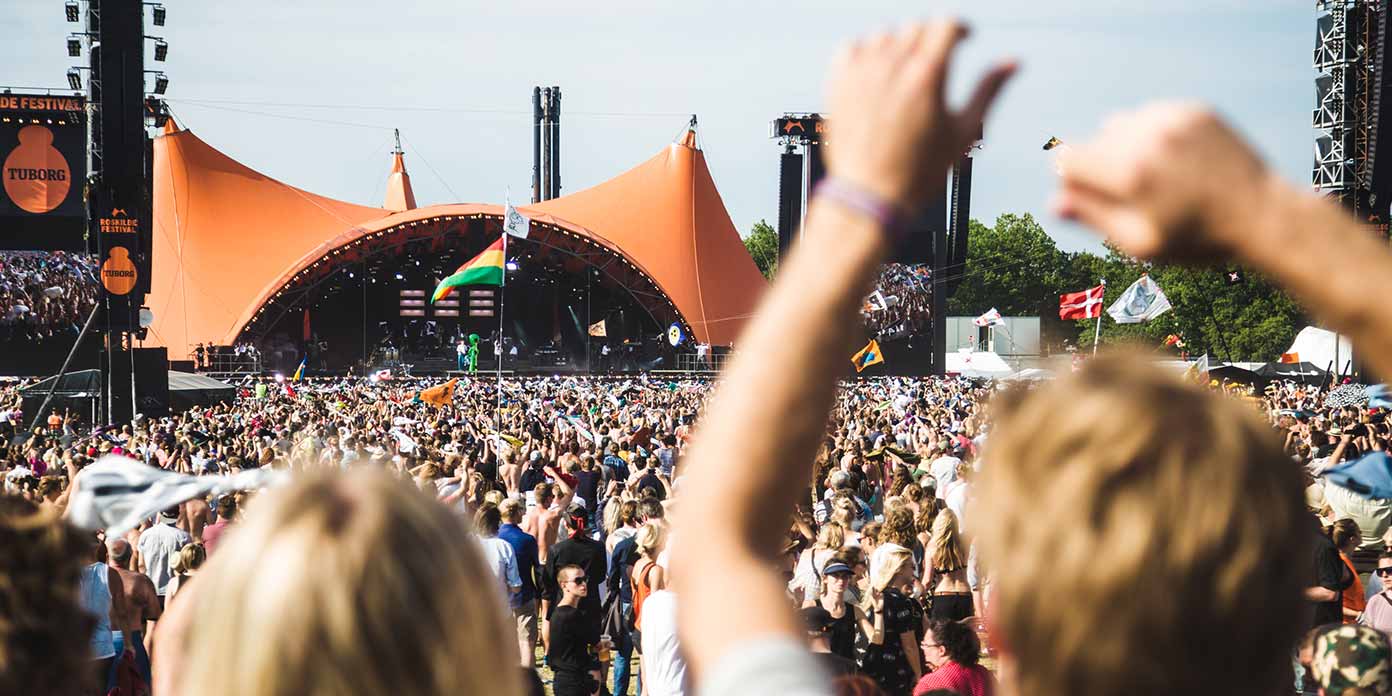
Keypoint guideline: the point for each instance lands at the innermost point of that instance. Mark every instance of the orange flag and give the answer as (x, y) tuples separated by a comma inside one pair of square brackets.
[(441, 395)]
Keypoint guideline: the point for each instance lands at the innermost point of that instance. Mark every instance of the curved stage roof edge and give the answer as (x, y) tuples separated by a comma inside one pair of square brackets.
[(229, 240)]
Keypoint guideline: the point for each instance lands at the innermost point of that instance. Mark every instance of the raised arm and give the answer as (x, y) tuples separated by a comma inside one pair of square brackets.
[(894, 139)]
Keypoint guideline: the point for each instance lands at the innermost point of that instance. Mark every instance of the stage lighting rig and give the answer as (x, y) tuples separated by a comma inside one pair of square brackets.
[(73, 11), (75, 45), (161, 83), (161, 49), (75, 78), (157, 15)]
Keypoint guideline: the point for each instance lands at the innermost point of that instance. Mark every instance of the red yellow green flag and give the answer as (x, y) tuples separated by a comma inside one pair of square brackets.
[(484, 269)]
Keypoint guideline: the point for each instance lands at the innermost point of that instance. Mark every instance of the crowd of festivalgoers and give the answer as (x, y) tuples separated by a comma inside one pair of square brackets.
[(45, 294), (1115, 531), (900, 303)]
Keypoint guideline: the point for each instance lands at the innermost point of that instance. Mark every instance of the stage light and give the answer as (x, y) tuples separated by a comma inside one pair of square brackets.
[(161, 83), (75, 79), (74, 46), (161, 50), (512, 265), (73, 11), (398, 276), (157, 15)]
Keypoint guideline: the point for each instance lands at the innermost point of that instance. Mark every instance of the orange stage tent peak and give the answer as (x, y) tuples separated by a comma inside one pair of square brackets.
[(228, 238), (400, 197), (222, 232), (667, 214)]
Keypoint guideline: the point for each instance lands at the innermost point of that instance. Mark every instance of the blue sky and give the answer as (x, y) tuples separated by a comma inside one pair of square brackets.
[(308, 91)]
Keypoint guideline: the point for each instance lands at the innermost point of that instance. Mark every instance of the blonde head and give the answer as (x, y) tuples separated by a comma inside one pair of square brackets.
[(1173, 511), (348, 584), (889, 563), (831, 536), (651, 538), (948, 550)]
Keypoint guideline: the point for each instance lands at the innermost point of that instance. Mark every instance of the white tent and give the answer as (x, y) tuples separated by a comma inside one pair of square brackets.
[(1032, 374), (977, 364), (1317, 346)]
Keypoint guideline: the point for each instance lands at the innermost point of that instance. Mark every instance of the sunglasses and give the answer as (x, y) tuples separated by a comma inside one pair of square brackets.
[(579, 580), (1384, 572)]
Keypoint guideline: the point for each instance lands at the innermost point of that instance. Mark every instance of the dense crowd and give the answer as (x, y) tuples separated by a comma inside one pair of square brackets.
[(900, 303), (1114, 531), (45, 294)]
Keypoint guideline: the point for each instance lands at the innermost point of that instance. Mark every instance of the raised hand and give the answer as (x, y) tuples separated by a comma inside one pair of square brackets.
[(1170, 180)]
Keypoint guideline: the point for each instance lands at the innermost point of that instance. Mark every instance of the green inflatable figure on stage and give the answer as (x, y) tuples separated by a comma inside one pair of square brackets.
[(471, 356)]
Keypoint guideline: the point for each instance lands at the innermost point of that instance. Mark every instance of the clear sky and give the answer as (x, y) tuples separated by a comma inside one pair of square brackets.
[(308, 91)]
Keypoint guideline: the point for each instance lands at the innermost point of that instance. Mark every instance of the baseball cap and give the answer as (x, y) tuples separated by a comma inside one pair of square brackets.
[(1351, 656), (817, 619), (836, 567)]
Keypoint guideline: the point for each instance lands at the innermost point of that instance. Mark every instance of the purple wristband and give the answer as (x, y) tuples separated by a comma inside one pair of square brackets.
[(890, 217)]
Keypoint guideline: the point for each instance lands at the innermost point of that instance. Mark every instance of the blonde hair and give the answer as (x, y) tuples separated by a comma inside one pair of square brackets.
[(887, 564), (831, 536), (309, 598), (1118, 477), (948, 553), (898, 528), (651, 537)]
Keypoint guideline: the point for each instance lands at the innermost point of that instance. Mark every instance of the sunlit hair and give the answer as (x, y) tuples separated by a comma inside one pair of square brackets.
[(348, 584), (887, 564), (1121, 477), (651, 538), (1344, 530), (44, 630), (831, 536), (948, 551), (898, 528)]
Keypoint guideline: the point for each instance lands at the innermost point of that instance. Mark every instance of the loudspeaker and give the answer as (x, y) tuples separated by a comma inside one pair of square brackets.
[(152, 381)]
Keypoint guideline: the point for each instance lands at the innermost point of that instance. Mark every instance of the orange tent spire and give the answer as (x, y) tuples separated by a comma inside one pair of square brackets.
[(688, 139), (400, 197)]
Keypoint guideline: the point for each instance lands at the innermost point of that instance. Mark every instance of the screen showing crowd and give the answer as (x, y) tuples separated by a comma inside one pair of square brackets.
[(45, 294), (901, 302)]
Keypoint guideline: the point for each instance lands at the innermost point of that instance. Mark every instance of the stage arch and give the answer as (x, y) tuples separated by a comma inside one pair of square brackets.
[(234, 248)]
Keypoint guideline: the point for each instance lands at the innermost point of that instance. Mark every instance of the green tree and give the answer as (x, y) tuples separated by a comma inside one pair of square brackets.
[(762, 244), (1016, 267), (1253, 321)]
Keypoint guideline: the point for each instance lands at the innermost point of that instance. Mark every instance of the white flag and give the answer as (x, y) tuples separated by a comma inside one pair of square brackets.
[(515, 223), (1143, 301), (990, 318)]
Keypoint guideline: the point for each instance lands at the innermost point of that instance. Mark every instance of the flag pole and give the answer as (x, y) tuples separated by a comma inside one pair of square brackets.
[(502, 294), (1097, 332)]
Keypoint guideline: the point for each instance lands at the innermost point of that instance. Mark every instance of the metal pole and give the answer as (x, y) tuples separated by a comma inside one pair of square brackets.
[(502, 292), (63, 370), (536, 145), (1097, 332), (130, 348)]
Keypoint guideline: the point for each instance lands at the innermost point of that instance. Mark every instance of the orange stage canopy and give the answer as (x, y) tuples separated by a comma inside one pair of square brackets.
[(227, 238)]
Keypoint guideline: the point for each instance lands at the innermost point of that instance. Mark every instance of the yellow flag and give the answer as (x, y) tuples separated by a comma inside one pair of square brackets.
[(869, 355)]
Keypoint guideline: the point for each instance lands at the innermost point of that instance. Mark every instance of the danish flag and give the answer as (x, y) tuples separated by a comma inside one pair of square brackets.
[(1086, 304)]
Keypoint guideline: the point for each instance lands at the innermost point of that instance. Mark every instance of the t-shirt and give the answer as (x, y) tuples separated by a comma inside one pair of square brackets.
[(966, 681), (835, 664), (524, 548), (650, 480), (766, 665), (587, 484), (664, 668), (572, 635), (157, 545), (1330, 573), (212, 534)]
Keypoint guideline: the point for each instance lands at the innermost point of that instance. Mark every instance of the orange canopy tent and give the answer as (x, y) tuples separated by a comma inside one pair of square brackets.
[(228, 238)]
